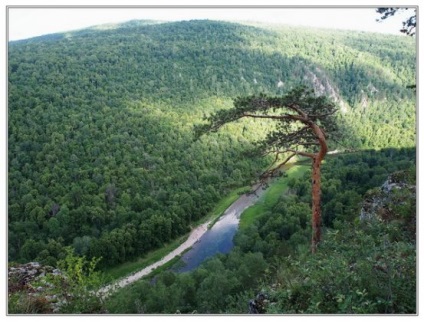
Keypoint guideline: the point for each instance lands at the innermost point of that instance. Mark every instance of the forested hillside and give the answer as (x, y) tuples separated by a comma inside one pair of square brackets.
[(366, 263), (100, 146)]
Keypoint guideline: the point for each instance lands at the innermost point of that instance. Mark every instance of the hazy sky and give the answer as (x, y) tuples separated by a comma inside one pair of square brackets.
[(29, 22)]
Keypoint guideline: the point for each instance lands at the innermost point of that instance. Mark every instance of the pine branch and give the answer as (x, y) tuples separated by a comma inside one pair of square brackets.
[(277, 117)]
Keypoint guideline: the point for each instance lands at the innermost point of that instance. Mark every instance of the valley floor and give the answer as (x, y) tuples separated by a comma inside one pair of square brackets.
[(192, 239)]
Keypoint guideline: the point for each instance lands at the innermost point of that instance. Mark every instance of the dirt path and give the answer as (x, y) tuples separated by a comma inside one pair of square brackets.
[(192, 239)]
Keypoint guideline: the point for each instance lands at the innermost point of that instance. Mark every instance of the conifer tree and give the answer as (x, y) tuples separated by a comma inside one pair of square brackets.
[(304, 124)]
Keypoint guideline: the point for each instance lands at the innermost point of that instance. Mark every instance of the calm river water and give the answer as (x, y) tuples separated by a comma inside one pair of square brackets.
[(218, 239)]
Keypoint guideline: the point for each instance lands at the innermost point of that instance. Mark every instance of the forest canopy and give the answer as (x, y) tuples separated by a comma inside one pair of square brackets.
[(100, 150)]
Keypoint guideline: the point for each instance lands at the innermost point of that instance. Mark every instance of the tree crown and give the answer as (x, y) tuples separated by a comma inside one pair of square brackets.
[(295, 113)]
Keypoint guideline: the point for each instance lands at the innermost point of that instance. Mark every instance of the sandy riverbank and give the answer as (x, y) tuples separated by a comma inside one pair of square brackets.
[(191, 240)]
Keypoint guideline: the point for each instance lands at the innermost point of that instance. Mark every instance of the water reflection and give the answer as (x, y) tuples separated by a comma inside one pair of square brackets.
[(218, 239)]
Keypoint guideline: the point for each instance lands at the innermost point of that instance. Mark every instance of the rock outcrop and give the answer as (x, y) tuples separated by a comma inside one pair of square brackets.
[(31, 279), (394, 200)]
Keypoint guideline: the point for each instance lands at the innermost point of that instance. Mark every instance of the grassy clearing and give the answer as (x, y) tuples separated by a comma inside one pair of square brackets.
[(271, 196)]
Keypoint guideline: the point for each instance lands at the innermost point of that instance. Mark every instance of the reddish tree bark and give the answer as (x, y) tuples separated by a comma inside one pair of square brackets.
[(316, 188), (312, 117)]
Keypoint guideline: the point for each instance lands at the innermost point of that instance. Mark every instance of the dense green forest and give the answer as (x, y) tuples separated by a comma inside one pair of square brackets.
[(101, 155), (361, 267)]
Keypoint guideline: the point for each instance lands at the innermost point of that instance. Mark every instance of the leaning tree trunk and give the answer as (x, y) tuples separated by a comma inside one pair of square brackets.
[(316, 188), (316, 203)]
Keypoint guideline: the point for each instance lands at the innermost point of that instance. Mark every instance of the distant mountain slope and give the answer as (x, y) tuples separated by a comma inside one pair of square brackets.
[(186, 61), (100, 146)]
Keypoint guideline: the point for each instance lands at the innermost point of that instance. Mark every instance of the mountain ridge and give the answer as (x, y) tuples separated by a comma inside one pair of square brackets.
[(99, 123)]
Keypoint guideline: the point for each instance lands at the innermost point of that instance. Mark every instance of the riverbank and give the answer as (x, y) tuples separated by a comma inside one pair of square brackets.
[(130, 272), (192, 239), (233, 204), (124, 270), (219, 238), (271, 196), (235, 199)]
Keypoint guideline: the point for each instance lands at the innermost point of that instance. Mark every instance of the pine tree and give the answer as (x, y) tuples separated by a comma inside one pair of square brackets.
[(304, 123)]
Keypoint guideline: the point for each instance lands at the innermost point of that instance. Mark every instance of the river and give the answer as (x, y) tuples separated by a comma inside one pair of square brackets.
[(219, 238), (202, 244)]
